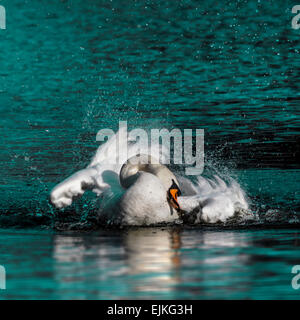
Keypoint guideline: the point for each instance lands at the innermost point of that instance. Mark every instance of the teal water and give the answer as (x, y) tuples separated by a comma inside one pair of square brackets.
[(150, 263), (71, 68)]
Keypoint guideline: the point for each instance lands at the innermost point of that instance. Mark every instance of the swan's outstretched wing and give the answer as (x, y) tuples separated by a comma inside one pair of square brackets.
[(62, 195)]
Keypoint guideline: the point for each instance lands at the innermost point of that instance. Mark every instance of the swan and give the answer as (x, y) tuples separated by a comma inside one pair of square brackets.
[(142, 191), (149, 193)]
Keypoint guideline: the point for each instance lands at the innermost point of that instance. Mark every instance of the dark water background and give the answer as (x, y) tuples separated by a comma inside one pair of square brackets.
[(71, 68)]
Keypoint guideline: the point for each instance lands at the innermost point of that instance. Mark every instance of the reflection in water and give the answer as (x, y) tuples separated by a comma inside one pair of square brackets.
[(150, 263), (224, 240), (88, 265), (211, 263), (147, 261), (154, 254)]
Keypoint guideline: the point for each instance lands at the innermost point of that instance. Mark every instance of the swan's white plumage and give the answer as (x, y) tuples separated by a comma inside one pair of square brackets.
[(145, 202), (144, 199)]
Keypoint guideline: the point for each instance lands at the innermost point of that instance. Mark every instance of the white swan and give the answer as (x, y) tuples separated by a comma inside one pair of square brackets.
[(149, 196), (143, 192)]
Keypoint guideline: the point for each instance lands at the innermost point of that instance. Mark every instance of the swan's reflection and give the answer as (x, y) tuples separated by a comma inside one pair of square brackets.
[(220, 267), (151, 263), (154, 254), (216, 247), (118, 265)]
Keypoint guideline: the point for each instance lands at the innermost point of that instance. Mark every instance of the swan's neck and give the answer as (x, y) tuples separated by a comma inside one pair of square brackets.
[(133, 166)]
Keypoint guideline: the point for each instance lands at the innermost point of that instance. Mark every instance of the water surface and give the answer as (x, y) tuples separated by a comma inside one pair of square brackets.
[(150, 263)]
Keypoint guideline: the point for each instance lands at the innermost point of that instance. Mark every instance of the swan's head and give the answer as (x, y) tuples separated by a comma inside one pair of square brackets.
[(145, 163), (172, 195)]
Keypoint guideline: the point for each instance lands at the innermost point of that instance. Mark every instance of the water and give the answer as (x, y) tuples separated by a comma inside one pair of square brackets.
[(149, 263), (71, 68)]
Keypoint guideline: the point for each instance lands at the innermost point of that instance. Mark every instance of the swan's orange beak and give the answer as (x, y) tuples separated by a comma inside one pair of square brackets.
[(173, 198), (173, 194)]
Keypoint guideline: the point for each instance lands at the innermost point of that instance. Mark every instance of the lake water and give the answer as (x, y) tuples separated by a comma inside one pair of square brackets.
[(71, 68), (150, 263)]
